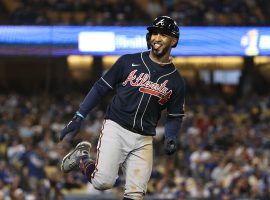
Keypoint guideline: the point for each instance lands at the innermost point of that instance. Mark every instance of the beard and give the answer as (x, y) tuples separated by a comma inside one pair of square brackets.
[(160, 52)]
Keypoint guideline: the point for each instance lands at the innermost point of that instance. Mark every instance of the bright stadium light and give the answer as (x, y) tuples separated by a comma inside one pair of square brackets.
[(96, 41)]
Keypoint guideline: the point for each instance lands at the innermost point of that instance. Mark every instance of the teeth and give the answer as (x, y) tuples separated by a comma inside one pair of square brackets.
[(156, 45)]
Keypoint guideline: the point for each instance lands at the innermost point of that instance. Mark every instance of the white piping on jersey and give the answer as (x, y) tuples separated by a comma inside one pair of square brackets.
[(180, 113), (144, 111), (176, 114), (142, 95), (106, 83), (151, 94), (134, 120), (166, 75)]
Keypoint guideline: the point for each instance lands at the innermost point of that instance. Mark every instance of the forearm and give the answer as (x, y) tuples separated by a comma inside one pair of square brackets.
[(172, 126), (93, 97)]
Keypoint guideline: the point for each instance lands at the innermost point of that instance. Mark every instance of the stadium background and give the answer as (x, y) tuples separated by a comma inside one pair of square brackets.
[(224, 143)]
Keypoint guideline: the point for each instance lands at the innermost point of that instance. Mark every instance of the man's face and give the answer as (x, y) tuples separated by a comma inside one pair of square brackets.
[(161, 43)]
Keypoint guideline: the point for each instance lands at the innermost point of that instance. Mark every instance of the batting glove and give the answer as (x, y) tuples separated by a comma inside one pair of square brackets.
[(170, 145), (72, 128)]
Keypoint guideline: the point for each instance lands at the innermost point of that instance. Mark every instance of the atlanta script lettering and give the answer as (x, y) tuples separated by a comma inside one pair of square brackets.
[(149, 87)]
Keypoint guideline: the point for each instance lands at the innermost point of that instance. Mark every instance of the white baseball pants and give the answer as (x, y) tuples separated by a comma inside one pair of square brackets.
[(117, 147)]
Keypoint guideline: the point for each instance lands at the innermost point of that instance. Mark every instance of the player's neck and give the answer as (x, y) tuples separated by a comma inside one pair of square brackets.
[(164, 60)]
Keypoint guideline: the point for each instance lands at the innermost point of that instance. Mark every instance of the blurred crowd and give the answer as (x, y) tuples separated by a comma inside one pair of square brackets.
[(224, 149), (136, 12)]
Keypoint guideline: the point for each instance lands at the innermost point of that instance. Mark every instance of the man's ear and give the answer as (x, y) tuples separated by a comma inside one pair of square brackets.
[(174, 41)]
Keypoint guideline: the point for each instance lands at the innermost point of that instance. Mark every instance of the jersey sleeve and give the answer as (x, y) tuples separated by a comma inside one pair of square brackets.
[(102, 87), (114, 74), (176, 105)]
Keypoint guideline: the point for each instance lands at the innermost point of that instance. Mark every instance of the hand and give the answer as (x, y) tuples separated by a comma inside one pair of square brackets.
[(72, 128), (170, 145)]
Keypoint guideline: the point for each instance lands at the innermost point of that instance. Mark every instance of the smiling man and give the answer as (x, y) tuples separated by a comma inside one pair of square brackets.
[(162, 36), (145, 84)]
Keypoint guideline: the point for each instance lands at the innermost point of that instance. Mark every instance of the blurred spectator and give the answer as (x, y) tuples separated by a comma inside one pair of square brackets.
[(121, 12), (34, 161)]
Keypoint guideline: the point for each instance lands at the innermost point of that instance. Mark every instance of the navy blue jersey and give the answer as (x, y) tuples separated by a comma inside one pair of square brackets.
[(143, 89)]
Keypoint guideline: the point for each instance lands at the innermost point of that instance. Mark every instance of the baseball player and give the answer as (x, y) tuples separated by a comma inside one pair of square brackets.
[(146, 83)]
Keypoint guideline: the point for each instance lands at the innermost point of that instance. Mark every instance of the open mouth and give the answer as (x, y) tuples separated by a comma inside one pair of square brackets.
[(156, 45)]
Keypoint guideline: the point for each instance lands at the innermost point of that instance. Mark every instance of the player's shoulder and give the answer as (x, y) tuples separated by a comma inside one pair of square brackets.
[(131, 56), (178, 77)]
